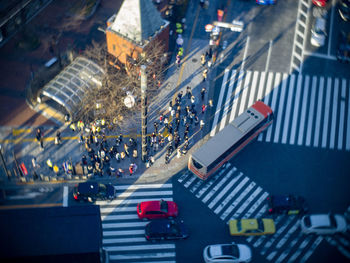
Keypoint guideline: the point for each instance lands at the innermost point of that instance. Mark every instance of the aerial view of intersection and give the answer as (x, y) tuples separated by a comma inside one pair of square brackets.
[(175, 131)]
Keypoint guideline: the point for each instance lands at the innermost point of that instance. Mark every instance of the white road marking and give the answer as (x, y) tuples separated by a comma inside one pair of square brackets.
[(222, 193), (288, 109), (247, 202), (311, 111), (256, 205), (326, 113), (254, 87), (319, 55), (183, 177), (123, 240), (218, 107), (303, 110), (334, 113), (139, 247), (108, 210), (127, 224), (124, 233), (296, 110), (236, 94), (212, 181), (342, 115), (245, 53), (280, 108), (142, 186), (228, 99), (347, 146), (268, 56), (190, 181), (311, 249), (244, 92), (217, 187), (319, 112), (274, 102), (129, 201), (65, 196), (109, 217), (144, 256), (146, 193)]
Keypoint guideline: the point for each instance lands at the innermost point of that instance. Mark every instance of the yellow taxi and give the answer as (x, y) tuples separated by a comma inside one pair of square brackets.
[(252, 227)]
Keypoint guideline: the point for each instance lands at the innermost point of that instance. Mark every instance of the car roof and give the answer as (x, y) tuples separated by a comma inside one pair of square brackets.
[(320, 220), (320, 23), (161, 226), (249, 224), (88, 187)]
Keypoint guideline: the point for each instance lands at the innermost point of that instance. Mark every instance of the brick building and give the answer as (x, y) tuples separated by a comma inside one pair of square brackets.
[(137, 25)]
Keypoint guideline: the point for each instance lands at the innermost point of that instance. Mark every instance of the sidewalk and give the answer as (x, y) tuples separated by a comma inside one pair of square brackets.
[(177, 79)]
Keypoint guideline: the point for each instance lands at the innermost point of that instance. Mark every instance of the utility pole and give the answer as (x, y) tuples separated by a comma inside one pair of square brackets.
[(143, 113)]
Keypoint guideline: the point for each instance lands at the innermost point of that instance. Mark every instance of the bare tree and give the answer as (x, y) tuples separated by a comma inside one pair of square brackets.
[(107, 101)]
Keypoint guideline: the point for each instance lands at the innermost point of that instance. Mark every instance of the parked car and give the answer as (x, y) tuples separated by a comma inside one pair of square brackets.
[(251, 227), (92, 191), (318, 32), (227, 253), (343, 51), (157, 209), (344, 9), (266, 2), (286, 204), (320, 3), (323, 224), (165, 229)]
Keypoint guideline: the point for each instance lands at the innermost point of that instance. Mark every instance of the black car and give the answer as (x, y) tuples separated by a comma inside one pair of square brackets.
[(165, 229), (343, 52), (92, 191), (286, 204), (344, 9)]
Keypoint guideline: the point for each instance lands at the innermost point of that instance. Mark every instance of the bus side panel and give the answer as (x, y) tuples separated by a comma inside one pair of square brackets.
[(254, 135)]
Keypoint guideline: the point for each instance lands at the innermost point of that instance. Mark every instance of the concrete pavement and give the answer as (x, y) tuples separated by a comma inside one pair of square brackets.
[(21, 140)]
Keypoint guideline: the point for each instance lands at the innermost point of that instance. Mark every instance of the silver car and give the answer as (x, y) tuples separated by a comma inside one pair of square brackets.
[(227, 253), (318, 32), (323, 224)]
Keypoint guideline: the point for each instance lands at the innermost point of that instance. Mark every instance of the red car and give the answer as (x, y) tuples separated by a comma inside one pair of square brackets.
[(320, 3), (157, 209)]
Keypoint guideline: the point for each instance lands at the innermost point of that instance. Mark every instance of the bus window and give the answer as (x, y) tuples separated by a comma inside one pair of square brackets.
[(197, 164)]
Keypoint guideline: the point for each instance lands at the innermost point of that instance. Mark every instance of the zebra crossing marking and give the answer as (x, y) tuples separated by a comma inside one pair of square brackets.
[(303, 111), (310, 110), (221, 96), (123, 232), (231, 195)]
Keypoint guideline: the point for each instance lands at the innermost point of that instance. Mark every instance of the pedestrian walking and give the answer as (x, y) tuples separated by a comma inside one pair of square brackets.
[(178, 60), (134, 153), (203, 60), (120, 172), (188, 92), (117, 157), (161, 119), (81, 138), (203, 91), (205, 75), (167, 158), (178, 153), (155, 125), (126, 149), (204, 107), (166, 122), (211, 103), (49, 163), (170, 106), (193, 99), (72, 126), (201, 124)]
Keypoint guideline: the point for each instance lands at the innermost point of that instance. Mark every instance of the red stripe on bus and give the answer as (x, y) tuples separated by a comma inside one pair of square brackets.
[(204, 177)]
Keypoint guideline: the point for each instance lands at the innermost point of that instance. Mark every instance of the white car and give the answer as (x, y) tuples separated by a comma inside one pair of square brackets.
[(323, 224), (227, 253), (318, 32)]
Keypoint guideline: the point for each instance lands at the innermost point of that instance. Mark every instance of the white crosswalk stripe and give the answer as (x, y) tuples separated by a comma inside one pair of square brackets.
[(123, 232), (232, 195), (311, 111)]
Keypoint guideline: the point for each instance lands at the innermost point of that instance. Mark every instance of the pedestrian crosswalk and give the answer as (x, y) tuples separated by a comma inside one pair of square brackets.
[(309, 110), (231, 195), (123, 232)]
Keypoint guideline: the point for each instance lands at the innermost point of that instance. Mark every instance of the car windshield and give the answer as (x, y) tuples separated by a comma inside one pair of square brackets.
[(102, 188), (163, 206), (307, 221), (333, 222), (239, 226), (261, 225), (231, 250)]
